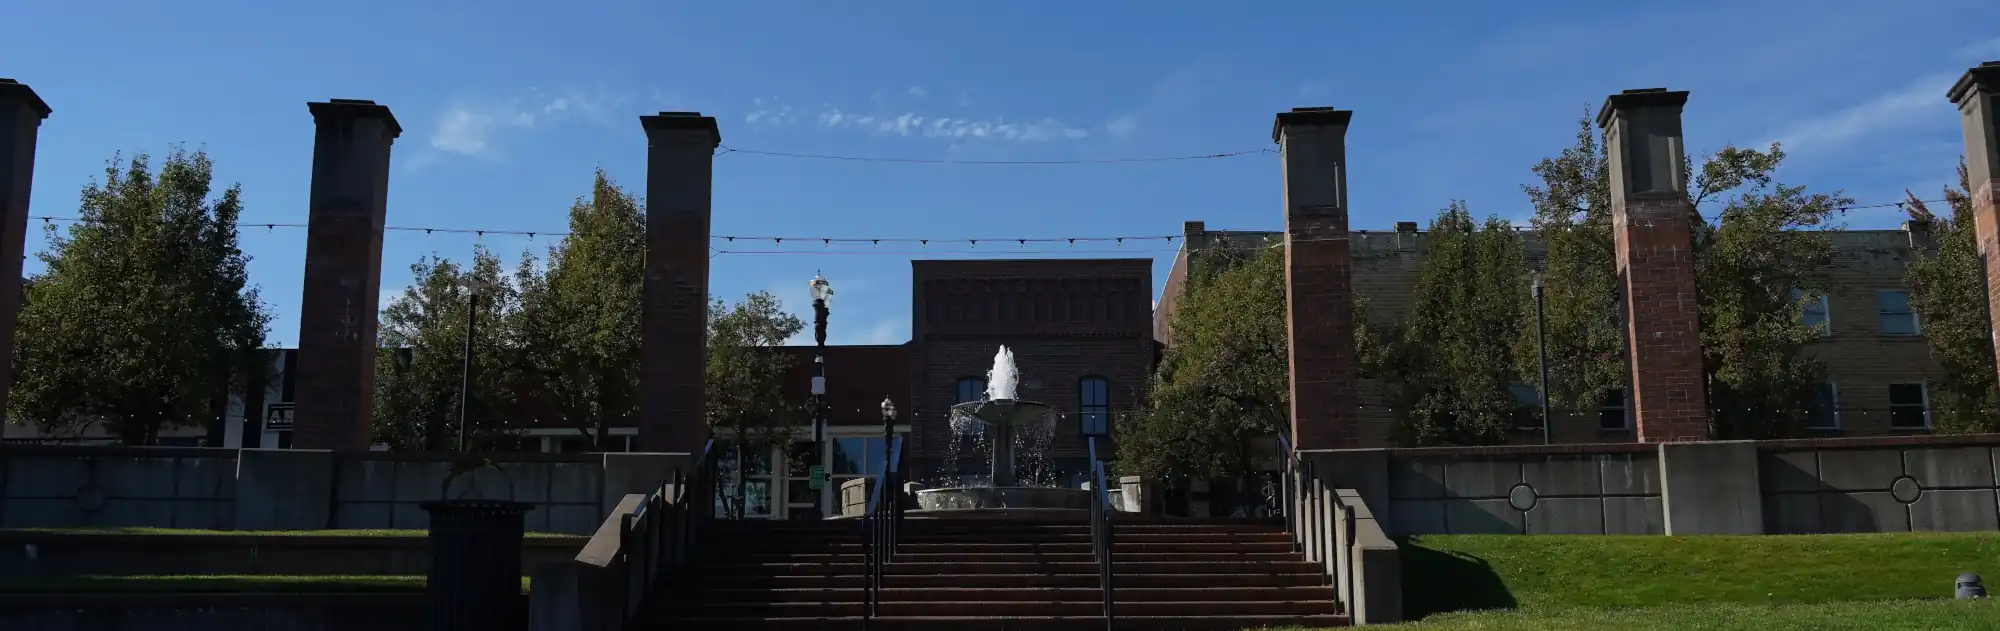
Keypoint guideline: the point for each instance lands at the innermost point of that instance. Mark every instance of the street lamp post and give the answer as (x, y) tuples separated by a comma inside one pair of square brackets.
[(473, 286), (822, 295), (1541, 352), (888, 434)]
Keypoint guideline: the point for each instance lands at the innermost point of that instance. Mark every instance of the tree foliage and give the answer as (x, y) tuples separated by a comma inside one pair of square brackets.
[(1449, 382), (1758, 263), (145, 313), (1223, 382), (417, 396), (1948, 289), (747, 391), (579, 319)]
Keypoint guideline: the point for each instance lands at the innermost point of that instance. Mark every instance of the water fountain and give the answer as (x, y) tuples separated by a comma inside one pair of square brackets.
[(1013, 432)]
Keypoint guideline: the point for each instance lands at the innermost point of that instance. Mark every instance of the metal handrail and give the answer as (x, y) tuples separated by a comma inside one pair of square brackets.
[(661, 533), (1100, 531), (881, 524)]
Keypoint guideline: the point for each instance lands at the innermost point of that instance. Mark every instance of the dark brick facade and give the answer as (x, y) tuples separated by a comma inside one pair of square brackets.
[(1064, 320), (21, 114), (1651, 219)]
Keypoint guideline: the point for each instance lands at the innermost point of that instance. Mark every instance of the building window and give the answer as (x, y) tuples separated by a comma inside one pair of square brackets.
[(1093, 396), (1527, 405), (1612, 413), (971, 389), (1897, 317), (1909, 406), (1816, 313), (1825, 412)]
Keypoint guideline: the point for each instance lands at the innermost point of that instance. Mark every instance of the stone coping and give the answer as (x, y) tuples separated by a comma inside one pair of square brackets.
[(188, 600), (1587, 449), (223, 453), (114, 539)]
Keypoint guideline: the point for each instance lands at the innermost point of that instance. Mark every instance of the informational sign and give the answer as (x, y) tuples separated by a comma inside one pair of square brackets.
[(278, 417), (816, 477)]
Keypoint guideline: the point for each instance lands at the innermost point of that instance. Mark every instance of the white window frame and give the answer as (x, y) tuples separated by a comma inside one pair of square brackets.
[(1837, 424), (1916, 321), (1924, 388)]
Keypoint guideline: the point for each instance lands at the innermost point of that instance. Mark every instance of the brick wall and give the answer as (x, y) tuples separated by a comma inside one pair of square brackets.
[(1861, 360), (1663, 334), (1063, 319)]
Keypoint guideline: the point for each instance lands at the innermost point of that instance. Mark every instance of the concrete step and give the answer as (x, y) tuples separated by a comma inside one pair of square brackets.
[(1230, 593), (1121, 555), (936, 568), (1020, 623), (1124, 580), (1084, 537), (1001, 609)]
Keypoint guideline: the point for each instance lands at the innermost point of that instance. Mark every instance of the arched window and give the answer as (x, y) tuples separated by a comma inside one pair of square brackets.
[(970, 389), (1093, 404)]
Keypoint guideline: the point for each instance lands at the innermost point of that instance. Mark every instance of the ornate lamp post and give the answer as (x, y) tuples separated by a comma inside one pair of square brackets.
[(1541, 350), (822, 295), (473, 287)]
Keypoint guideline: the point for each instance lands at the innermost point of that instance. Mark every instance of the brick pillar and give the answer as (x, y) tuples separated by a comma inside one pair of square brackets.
[(1319, 293), (1977, 95), (1651, 218), (21, 114), (338, 307), (680, 169)]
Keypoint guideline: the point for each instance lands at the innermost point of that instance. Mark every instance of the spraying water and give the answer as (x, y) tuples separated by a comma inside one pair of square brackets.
[(1002, 380)]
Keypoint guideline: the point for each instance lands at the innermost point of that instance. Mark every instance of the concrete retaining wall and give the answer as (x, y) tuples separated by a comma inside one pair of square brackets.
[(295, 489), (77, 554), (1873, 484), (215, 612)]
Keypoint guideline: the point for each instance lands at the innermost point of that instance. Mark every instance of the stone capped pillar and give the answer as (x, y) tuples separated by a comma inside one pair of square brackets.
[(680, 169), (1319, 290), (1652, 220), (1977, 95), (21, 114), (338, 307)]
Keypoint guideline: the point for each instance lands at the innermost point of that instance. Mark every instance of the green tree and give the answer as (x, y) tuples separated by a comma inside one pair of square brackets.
[(579, 316), (1456, 386), (1223, 383), (1758, 263), (1948, 289), (417, 396), (747, 393), (144, 315)]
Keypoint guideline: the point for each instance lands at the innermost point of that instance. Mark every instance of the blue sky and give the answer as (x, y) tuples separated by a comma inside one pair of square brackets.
[(507, 107)]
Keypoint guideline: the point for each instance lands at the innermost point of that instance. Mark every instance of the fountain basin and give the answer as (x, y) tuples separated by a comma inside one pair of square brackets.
[(989, 497)]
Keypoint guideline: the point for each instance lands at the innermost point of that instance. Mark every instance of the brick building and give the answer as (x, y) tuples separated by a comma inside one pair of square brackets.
[(1878, 366)]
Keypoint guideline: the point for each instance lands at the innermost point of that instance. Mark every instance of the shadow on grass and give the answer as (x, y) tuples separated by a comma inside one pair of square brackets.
[(1440, 581)]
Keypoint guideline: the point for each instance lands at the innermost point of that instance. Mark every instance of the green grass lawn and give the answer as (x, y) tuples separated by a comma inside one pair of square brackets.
[(1893, 615), (219, 584), (1532, 573), (293, 533)]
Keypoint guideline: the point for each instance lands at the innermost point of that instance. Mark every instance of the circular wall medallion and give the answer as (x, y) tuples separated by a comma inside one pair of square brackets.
[(90, 498), (1522, 497), (1906, 490)]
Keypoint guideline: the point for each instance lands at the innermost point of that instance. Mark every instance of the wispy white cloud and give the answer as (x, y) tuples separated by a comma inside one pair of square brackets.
[(1919, 102), (474, 128), (1172, 96), (917, 92), (912, 124)]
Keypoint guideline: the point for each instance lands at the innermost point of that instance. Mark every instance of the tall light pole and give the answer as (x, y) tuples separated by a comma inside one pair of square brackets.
[(473, 286), (888, 436), (1541, 350), (822, 295)]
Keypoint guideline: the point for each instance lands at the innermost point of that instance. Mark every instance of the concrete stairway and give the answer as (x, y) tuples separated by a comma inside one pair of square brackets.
[(974, 576)]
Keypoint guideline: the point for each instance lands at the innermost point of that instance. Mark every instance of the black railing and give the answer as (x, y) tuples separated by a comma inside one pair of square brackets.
[(881, 523), (1319, 523), (1100, 529), (663, 531)]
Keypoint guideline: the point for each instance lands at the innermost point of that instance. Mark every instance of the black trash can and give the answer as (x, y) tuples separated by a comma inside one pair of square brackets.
[(475, 577)]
